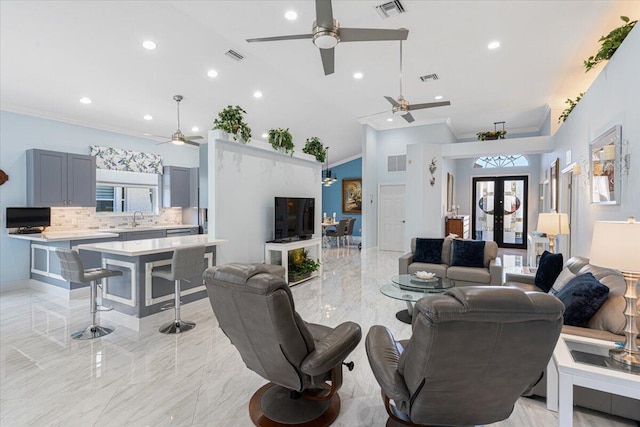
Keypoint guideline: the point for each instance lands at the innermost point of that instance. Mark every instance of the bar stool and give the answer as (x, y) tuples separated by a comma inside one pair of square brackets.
[(73, 270), (186, 262)]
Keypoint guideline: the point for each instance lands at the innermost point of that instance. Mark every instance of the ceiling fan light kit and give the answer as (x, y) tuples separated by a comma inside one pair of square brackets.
[(326, 38), (178, 138)]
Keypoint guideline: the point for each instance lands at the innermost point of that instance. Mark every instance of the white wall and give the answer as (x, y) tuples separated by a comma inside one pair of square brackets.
[(369, 187), (243, 182), (613, 98), (19, 133)]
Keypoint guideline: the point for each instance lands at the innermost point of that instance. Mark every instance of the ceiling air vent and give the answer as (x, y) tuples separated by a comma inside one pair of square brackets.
[(234, 55), (389, 9), (429, 77)]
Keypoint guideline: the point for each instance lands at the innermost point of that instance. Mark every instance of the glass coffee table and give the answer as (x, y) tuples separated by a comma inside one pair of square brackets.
[(585, 362), (409, 288)]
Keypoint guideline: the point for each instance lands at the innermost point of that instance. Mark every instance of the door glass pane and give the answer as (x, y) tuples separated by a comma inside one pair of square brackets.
[(513, 220), (485, 193)]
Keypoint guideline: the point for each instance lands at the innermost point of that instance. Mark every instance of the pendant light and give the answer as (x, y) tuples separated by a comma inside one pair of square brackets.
[(328, 178)]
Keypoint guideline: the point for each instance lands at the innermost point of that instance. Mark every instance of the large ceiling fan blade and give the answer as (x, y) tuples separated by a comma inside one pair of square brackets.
[(324, 13), (278, 38), (371, 34), (392, 101), (163, 142), (408, 117), (188, 142), (191, 138), (428, 105), (328, 60)]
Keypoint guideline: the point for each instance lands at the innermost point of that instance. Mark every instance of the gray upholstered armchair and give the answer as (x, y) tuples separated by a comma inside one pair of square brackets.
[(256, 311), (473, 352)]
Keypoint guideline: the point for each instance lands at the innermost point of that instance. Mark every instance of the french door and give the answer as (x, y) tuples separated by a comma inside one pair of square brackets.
[(500, 210)]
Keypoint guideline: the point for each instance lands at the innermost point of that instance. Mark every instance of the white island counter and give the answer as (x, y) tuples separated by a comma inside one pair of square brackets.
[(136, 293)]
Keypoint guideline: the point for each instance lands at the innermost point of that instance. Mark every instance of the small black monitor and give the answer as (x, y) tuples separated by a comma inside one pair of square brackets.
[(28, 218)]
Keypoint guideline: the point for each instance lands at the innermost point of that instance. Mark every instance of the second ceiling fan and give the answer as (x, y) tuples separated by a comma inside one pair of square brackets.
[(326, 34), (403, 107)]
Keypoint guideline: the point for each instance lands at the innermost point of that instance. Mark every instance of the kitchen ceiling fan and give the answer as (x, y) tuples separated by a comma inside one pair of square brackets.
[(178, 138), (326, 33), (403, 107)]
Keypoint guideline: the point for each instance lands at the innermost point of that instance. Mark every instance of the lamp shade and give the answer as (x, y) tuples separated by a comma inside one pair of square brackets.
[(553, 223), (616, 244)]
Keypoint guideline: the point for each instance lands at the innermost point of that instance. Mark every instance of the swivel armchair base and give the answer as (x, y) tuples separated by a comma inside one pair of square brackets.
[(273, 406)]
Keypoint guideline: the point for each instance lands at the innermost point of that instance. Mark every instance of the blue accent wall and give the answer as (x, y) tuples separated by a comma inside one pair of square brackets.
[(332, 196)]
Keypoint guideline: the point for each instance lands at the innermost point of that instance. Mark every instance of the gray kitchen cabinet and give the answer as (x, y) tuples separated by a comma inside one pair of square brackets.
[(194, 185), (176, 182), (142, 235), (60, 179)]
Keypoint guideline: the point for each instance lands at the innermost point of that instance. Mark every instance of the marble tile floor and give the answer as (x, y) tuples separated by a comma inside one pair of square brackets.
[(145, 378)]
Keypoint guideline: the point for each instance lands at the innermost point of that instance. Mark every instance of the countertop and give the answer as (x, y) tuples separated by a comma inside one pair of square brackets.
[(134, 248), (55, 236)]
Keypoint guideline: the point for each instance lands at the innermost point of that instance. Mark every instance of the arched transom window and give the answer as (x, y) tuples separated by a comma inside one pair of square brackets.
[(501, 161)]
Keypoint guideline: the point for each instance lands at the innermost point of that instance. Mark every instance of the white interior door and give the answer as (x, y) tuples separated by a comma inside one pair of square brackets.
[(391, 218)]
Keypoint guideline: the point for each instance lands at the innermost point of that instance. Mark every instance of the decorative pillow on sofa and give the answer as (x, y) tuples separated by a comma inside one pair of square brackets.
[(563, 278), (549, 269), (467, 253), (428, 251), (582, 297)]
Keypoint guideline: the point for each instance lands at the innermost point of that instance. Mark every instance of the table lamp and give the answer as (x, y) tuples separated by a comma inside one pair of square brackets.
[(553, 224), (616, 244)]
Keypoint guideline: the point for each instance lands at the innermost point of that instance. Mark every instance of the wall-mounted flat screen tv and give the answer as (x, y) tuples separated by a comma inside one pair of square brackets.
[(294, 217), (28, 218)]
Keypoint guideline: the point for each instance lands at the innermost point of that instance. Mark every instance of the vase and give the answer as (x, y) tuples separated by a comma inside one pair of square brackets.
[(296, 277)]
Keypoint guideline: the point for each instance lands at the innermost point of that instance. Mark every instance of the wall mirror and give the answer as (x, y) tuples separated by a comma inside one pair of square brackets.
[(605, 168)]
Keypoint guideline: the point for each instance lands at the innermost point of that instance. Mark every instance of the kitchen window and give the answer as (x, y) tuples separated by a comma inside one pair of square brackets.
[(126, 192)]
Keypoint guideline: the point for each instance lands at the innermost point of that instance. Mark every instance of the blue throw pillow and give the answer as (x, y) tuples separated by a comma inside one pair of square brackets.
[(549, 269), (428, 251), (467, 253), (582, 298)]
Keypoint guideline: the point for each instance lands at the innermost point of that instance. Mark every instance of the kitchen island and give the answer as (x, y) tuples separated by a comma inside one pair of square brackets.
[(136, 293)]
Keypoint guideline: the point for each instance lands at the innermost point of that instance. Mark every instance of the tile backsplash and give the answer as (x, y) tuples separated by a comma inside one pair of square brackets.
[(64, 219)]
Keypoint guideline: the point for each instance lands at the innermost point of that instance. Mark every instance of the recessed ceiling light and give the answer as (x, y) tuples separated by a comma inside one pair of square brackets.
[(357, 75), (257, 94), (148, 117), (439, 97), (85, 100), (195, 129), (265, 135), (494, 45), (212, 73), (291, 15), (149, 44), (389, 120)]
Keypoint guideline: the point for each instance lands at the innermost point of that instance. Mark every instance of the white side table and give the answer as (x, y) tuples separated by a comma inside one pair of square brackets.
[(284, 248), (567, 368)]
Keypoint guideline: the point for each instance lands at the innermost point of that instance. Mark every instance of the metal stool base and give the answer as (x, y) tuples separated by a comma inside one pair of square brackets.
[(177, 327), (91, 332)]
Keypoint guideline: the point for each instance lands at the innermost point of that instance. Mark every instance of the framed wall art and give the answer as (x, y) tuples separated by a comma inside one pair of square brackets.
[(352, 196)]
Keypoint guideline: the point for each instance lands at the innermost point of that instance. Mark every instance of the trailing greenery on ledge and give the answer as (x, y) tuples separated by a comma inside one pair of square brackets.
[(281, 139), (314, 147), (489, 135), (572, 104), (231, 120), (610, 43)]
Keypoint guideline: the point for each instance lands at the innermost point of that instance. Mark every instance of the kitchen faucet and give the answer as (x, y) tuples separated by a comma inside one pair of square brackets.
[(135, 224)]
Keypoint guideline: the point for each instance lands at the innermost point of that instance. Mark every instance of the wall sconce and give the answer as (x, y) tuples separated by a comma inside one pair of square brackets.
[(625, 163), (581, 171)]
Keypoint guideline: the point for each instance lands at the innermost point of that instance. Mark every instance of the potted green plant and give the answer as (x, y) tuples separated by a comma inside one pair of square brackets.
[(231, 120), (281, 139), (300, 265), (572, 104), (491, 135), (314, 147), (610, 43)]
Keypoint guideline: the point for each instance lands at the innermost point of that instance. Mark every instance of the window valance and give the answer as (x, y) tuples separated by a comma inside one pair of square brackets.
[(126, 160)]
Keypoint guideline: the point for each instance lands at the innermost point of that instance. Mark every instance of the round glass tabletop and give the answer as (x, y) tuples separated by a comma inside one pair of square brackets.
[(407, 287)]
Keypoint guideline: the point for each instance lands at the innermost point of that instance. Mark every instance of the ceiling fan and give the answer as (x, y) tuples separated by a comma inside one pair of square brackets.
[(326, 34), (403, 107), (178, 138)]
